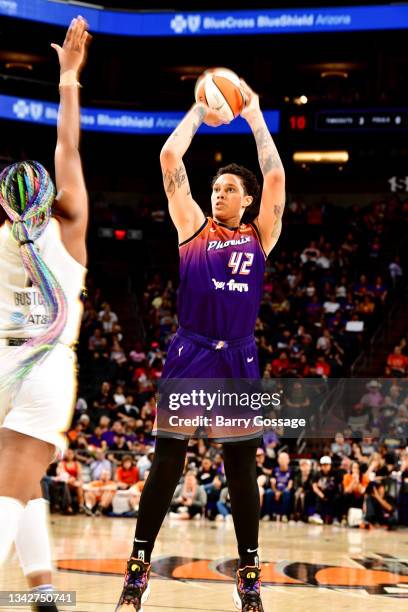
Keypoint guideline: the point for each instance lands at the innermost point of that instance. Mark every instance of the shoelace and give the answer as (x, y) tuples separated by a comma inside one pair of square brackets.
[(137, 581), (251, 599), (251, 593)]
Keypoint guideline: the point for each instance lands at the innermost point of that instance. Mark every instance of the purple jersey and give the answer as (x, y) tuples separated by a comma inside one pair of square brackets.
[(282, 478), (221, 280)]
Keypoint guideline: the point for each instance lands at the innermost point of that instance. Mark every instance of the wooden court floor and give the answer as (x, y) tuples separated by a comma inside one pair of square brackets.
[(306, 568)]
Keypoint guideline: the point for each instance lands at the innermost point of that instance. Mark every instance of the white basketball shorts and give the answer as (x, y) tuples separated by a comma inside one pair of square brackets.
[(41, 405)]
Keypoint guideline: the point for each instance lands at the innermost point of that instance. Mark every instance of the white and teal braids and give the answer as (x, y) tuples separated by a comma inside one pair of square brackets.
[(27, 194)]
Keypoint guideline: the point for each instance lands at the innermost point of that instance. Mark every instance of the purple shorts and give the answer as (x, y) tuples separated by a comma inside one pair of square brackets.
[(191, 355)]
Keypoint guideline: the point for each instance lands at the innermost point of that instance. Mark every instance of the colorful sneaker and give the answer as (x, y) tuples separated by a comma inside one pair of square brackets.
[(136, 588), (247, 592)]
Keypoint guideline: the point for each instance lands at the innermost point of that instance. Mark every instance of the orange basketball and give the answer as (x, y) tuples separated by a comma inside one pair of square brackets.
[(220, 89)]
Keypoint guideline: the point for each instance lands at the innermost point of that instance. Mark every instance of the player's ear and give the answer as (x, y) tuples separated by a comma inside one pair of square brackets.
[(248, 201)]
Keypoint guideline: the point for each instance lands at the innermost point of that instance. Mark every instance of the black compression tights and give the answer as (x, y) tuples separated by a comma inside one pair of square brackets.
[(165, 473)]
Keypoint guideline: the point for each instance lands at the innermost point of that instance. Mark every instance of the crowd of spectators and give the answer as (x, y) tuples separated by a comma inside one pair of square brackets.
[(324, 293), (356, 484)]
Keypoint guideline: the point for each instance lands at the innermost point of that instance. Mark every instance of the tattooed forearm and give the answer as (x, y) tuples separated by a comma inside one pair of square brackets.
[(174, 179), (267, 152), (200, 113)]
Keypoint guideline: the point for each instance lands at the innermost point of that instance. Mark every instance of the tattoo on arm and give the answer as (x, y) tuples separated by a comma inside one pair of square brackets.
[(267, 152), (200, 112), (174, 179), (278, 210), (277, 230)]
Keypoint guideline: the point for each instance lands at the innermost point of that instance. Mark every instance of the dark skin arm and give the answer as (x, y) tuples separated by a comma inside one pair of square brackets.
[(71, 205)]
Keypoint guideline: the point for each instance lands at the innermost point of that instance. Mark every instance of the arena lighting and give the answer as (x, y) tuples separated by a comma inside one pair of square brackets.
[(321, 157), (335, 74), (300, 100)]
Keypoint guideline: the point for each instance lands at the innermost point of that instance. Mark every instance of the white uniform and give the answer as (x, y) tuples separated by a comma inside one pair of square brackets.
[(41, 404)]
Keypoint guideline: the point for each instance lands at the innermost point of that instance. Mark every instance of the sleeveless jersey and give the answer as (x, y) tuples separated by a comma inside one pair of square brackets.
[(22, 311), (221, 280)]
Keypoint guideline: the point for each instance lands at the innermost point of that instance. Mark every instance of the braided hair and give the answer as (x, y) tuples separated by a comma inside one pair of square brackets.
[(26, 195)]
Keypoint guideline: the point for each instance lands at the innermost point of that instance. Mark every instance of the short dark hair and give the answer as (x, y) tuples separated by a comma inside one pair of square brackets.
[(248, 178)]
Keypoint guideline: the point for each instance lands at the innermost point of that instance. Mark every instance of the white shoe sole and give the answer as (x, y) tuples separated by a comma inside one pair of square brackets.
[(145, 596), (236, 598)]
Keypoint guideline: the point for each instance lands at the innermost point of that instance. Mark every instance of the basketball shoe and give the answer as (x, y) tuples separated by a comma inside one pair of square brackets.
[(247, 592), (136, 588)]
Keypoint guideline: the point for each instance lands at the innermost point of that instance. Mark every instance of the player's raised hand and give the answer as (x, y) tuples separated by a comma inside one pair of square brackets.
[(72, 54), (212, 118), (251, 105)]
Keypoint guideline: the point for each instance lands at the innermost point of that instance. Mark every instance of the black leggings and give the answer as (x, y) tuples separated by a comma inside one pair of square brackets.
[(165, 473)]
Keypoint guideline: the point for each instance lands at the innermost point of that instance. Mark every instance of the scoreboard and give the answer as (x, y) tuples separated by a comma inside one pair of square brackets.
[(348, 120)]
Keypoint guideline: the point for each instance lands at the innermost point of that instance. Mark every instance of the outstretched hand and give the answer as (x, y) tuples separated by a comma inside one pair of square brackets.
[(72, 54)]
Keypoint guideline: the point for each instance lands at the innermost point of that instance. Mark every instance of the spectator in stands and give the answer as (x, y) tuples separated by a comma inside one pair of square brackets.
[(354, 486), (118, 356), (99, 494), (72, 468), (310, 254), (368, 445), (99, 465), (145, 462), (224, 505), (213, 491), (327, 490), (396, 363), (297, 401), (403, 492), (261, 469), (107, 317), (97, 342), (96, 440), (278, 499), (322, 367), (340, 447), (304, 496), (103, 402), (396, 271), (373, 399), (127, 473), (359, 418), (120, 443), (128, 410), (189, 499), (280, 365), (379, 507), (119, 397), (137, 355), (206, 473), (379, 289)]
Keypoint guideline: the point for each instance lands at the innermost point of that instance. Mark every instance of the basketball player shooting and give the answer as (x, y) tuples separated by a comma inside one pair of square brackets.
[(42, 273), (216, 334)]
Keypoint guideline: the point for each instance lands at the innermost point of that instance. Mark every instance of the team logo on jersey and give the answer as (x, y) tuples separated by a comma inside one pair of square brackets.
[(231, 285), (223, 244), (18, 318)]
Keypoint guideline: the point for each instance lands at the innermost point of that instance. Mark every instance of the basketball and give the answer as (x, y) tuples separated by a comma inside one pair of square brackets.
[(219, 88)]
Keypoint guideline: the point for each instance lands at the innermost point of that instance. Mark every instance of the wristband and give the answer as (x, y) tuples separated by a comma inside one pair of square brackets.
[(69, 77)]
